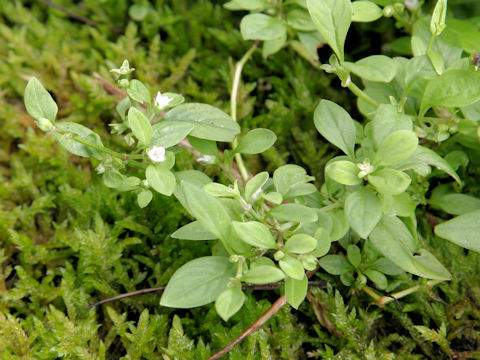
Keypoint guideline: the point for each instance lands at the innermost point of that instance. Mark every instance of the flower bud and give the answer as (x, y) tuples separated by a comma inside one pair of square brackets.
[(44, 124)]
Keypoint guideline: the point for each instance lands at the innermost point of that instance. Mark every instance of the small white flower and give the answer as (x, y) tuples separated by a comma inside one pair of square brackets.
[(162, 101), (145, 182), (157, 154), (365, 168), (411, 4), (206, 158)]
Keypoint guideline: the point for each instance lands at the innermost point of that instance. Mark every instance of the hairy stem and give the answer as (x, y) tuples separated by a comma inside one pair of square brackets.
[(233, 105), (361, 94)]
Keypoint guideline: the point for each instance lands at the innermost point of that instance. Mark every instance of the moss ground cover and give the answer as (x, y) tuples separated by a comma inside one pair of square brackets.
[(67, 240)]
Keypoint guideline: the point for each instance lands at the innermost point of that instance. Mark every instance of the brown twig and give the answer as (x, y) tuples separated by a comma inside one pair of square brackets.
[(74, 15), (254, 287), (276, 306), (321, 316)]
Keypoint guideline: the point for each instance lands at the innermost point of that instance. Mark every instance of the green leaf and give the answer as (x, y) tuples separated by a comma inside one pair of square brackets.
[(344, 172), (209, 122), (255, 233), (454, 88), (207, 210), (292, 267), (273, 197), (261, 27), (389, 181), (138, 92), (377, 277), (193, 231), (198, 282), (387, 121), (286, 176), (335, 264), (255, 184), (169, 133), (437, 61), (219, 190), (336, 125), (323, 243), (270, 47), (256, 141), (379, 68), (38, 102), (393, 240), (386, 266), (462, 33), (74, 146), (296, 290), (263, 274), (300, 244), (138, 12), (463, 230), (229, 302), (207, 147), (428, 266), (300, 19), (424, 156), (366, 11), (332, 19), (456, 204), (354, 255), (437, 23), (294, 212), (250, 5), (396, 148), (363, 211), (160, 179), (141, 127), (144, 197)]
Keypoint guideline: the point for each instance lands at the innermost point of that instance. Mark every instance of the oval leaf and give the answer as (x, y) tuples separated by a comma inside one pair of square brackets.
[(332, 19), (379, 68), (363, 211), (292, 267), (208, 122), (396, 148), (229, 302), (389, 181), (336, 125), (366, 11), (255, 233), (38, 102), (261, 27), (344, 172), (198, 282), (463, 230), (193, 231), (169, 133), (263, 274), (256, 141), (300, 244), (296, 290), (141, 127), (294, 212), (161, 179)]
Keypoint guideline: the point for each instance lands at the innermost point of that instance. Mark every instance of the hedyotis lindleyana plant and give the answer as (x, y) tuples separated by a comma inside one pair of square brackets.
[(268, 228)]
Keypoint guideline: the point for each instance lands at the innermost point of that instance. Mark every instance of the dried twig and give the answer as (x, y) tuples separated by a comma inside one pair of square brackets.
[(276, 306)]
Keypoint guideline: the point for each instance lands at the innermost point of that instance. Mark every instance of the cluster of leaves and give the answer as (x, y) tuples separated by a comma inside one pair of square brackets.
[(276, 226)]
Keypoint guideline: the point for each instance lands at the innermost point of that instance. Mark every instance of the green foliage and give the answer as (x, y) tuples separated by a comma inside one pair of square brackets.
[(68, 240)]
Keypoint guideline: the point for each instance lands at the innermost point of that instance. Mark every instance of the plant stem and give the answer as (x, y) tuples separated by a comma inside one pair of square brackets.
[(361, 94), (98, 147), (233, 105), (383, 300)]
